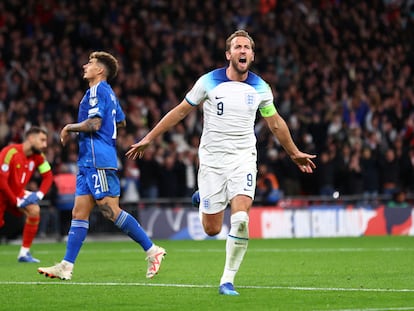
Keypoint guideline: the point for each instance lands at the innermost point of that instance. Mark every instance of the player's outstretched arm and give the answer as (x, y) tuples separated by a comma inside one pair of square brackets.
[(280, 129), (137, 150), (174, 116)]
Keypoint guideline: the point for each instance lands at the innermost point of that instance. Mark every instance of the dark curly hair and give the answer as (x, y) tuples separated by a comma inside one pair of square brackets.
[(109, 61)]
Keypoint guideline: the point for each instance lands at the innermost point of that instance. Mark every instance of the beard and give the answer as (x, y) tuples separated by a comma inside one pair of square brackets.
[(239, 70), (36, 150)]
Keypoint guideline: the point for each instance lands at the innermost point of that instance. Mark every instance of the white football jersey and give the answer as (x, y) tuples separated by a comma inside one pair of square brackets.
[(229, 109)]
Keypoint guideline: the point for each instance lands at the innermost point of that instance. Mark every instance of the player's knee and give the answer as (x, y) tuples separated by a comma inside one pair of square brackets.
[(33, 210), (108, 212), (79, 214), (212, 229)]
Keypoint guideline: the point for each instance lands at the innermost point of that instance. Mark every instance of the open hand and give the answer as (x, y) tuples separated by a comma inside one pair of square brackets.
[(137, 150), (304, 162)]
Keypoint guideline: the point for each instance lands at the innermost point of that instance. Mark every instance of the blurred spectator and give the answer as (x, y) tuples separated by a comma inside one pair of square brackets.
[(267, 186), (130, 182), (341, 71), (150, 173), (4, 128), (318, 129), (325, 174), (190, 160), (64, 198), (172, 182), (390, 171), (341, 162), (356, 184), (370, 174), (288, 175), (399, 199), (407, 170)]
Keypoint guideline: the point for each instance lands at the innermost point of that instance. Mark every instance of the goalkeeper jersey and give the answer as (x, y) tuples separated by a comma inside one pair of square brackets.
[(17, 169)]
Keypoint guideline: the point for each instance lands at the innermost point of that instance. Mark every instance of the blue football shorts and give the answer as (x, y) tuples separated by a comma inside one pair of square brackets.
[(99, 183)]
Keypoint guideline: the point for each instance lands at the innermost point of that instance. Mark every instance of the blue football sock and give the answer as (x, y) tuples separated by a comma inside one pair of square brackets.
[(77, 234), (132, 228)]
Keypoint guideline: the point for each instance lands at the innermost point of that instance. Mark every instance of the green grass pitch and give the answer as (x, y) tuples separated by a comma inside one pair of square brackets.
[(340, 274)]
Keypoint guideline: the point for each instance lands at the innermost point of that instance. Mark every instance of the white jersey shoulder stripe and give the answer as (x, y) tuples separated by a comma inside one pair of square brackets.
[(94, 90)]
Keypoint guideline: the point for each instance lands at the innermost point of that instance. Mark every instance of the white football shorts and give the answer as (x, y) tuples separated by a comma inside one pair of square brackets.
[(217, 186)]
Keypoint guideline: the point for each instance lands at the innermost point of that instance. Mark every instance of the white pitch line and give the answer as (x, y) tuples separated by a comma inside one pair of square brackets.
[(306, 250), (376, 309), (252, 250), (297, 288)]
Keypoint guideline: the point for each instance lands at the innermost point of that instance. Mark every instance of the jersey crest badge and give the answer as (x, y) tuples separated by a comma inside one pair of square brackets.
[(250, 99), (5, 167), (93, 101), (206, 203), (31, 165)]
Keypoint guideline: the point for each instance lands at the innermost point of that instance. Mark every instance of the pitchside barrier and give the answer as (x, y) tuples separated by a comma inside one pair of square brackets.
[(298, 217), (293, 218)]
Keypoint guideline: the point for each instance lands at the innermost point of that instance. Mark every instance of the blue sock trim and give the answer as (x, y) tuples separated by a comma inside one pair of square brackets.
[(130, 226), (119, 222), (238, 238), (80, 223)]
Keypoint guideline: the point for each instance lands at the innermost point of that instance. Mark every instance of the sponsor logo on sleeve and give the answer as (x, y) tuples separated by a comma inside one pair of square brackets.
[(93, 111)]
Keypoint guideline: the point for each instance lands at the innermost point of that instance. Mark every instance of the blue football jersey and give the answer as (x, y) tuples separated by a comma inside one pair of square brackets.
[(99, 149)]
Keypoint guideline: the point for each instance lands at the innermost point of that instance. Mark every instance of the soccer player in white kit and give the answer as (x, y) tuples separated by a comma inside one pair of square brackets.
[(231, 97)]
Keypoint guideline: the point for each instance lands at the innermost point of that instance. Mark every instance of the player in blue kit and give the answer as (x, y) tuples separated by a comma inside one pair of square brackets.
[(97, 182), (230, 96)]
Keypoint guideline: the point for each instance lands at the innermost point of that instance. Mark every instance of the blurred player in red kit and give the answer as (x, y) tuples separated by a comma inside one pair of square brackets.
[(18, 163)]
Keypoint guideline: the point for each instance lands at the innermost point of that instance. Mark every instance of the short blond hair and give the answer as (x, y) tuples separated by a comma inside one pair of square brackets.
[(239, 33)]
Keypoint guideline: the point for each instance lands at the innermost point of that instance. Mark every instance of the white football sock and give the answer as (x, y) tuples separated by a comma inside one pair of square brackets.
[(23, 251), (68, 265), (236, 245)]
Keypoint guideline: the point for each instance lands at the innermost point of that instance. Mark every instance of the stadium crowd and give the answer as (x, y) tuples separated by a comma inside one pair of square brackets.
[(342, 72)]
